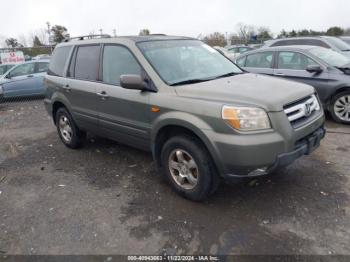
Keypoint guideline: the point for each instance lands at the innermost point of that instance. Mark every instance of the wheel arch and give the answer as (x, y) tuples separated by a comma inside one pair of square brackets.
[(171, 127)]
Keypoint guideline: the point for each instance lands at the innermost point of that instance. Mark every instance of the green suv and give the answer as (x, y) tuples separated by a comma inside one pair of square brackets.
[(200, 115)]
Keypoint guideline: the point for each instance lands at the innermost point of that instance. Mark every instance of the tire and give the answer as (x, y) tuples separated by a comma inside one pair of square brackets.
[(67, 130), (340, 107), (201, 177)]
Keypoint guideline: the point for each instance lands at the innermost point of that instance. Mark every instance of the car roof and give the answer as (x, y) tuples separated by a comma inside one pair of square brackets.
[(300, 48), (118, 39)]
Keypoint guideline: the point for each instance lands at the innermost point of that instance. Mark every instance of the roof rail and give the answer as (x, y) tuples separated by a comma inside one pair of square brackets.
[(84, 37)]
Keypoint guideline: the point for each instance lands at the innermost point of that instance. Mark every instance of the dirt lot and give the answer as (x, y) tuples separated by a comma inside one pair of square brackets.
[(107, 198)]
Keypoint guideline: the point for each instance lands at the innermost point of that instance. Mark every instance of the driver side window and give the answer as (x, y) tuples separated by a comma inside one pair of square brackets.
[(21, 70)]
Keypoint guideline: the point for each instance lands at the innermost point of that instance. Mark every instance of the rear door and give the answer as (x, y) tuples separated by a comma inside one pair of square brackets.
[(20, 81), (80, 85), (124, 114), (260, 63)]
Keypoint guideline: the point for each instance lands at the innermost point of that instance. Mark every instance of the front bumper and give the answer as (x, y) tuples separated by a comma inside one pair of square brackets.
[(261, 153), (304, 147)]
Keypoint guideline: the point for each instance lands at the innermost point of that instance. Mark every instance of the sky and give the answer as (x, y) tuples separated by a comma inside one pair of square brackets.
[(175, 17)]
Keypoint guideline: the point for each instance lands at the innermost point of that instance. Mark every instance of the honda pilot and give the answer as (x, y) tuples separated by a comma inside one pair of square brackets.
[(200, 115)]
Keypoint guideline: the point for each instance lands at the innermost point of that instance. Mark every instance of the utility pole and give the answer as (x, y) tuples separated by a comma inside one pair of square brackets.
[(114, 32), (49, 33)]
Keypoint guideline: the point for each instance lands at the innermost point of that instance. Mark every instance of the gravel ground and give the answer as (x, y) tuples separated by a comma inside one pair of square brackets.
[(107, 198)]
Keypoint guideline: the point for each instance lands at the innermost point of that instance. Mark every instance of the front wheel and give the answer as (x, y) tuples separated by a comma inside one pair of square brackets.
[(340, 107), (189, 168)]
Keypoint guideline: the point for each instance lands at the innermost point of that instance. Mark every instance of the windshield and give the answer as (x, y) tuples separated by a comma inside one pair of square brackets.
[(339, 44), (178, 61), (330, 57)]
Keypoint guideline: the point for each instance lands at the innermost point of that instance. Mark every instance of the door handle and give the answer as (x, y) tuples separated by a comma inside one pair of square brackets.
[(30, 76), (103, 95), (278, 74), (66, 88)]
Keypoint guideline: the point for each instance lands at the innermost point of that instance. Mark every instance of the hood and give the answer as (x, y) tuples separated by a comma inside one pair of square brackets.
[(266, 92)]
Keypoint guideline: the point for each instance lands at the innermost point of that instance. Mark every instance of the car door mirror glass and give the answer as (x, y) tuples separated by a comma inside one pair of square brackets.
[(8, 76), (134, 82), (314, 69)]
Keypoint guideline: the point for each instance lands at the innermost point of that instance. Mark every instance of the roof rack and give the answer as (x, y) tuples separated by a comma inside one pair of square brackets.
[(84, 37)]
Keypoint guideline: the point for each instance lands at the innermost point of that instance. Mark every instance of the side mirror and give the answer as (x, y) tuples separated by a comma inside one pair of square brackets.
[(8, 76), (314, 69), (134, 82)]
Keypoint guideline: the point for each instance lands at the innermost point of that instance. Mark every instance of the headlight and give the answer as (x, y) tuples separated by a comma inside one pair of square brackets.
[(246, 118)]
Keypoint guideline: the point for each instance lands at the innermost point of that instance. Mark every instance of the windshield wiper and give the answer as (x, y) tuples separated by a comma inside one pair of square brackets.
[(199, 80), (225, 75), (190, 81)]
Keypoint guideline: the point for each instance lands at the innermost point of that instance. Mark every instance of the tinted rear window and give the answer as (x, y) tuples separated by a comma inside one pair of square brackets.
[(87, 62), (58, 61)]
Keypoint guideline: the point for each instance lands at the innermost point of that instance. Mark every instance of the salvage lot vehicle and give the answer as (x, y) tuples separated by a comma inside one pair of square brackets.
[(237, 50), (329, 42), (4, 68), (24, 80), (202, 117), (324, 69), (225, 52)]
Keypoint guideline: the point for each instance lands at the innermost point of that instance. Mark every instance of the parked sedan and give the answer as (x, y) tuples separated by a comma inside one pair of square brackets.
[(24, 80), (330, 42), (224, 52), (5, 68), (325, 69), (236, 50)]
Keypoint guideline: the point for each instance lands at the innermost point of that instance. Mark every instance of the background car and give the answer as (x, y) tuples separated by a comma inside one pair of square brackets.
[(42, 57), (5, 68), (24, 79), (345, 39), (324, 69), (237, 50), (225, 52), (330, 42)]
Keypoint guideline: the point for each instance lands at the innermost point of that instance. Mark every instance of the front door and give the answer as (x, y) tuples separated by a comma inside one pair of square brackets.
[(124, 115), (292, 66), (21, 81)]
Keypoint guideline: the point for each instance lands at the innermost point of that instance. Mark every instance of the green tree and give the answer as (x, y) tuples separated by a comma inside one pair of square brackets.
[(335, 31), (215, 39), (264, 34), (283, 34), (303, 32), (145, 31), (36, 42), (59, 33), (292, 33)]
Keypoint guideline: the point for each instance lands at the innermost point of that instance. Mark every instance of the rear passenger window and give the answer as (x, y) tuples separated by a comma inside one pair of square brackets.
[(58, 61), (260, 60), (87, 61), (117, 61)]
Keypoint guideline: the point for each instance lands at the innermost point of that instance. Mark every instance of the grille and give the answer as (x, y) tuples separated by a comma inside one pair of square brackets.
[(302, 111)]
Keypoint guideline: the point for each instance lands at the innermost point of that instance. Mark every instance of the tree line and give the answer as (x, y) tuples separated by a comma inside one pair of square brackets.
[(58, 34), (248, 34)]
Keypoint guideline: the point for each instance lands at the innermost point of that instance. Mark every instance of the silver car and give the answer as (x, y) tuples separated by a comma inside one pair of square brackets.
[(329, 42)]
